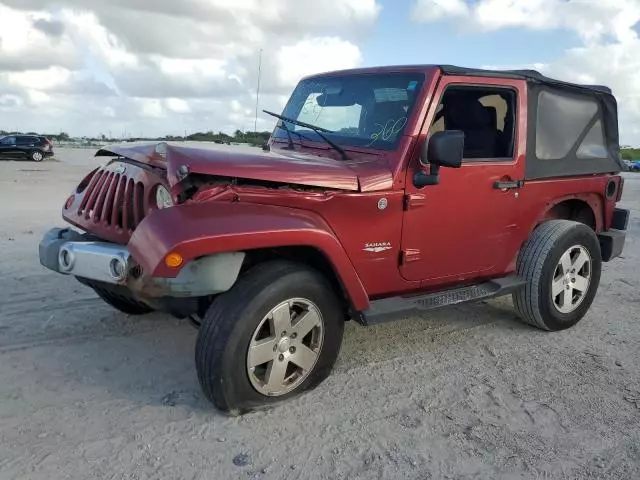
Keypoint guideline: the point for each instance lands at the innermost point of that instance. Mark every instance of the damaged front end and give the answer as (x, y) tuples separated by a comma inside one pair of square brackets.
[(105, 210), (111, 267), (128, 210)]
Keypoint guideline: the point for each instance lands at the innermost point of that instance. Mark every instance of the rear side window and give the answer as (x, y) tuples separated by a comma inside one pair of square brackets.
[(8, 141), (593, 145), (28, 140), (561, 124)]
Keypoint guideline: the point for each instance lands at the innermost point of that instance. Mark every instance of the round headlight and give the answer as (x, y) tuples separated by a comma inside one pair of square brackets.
[(163, 197)]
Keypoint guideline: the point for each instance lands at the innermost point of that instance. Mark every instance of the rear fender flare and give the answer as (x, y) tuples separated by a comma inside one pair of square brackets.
[(197, 230), (592, 200)]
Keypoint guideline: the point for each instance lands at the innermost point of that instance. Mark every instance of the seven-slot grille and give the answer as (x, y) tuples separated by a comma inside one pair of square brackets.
[(113, 199)]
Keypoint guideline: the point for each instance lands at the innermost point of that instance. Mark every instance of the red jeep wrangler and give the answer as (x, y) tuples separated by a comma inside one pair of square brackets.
[(382, 192)]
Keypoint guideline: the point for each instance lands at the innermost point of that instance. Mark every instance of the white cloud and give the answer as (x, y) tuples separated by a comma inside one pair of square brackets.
[(24, 44), (177, 105), (432, 10), (315, 55), (592, 20), (39, 79), (150, 108), (607, 30), (90, 66)]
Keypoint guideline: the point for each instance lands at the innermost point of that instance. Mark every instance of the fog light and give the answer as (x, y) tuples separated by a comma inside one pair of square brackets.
[(118, 268), (66, 259), (173, 260)]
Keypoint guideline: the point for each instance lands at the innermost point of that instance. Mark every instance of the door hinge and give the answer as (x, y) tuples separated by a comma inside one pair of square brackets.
[(409, 255), (414, 200)]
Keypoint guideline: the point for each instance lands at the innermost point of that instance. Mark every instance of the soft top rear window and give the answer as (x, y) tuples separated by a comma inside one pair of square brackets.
[(572, 131)]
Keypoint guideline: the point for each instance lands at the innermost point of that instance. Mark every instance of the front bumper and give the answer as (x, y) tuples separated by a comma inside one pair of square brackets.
[(66, 251), (69, 252)]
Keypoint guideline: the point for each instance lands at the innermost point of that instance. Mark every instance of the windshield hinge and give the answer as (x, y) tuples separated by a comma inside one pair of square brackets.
[(414, 200), (409, 255)]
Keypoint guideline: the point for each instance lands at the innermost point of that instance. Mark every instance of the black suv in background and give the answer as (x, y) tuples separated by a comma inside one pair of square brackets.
[(34, 147)]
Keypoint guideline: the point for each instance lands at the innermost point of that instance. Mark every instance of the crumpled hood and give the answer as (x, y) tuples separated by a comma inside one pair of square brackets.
[(365, 173)]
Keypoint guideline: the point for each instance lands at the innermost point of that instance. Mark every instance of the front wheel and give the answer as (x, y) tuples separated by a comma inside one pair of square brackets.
[(275, 334), (561, 263)]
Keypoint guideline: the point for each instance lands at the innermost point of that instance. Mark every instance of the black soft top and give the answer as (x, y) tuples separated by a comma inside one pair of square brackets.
[(572, 129), (528, 75)]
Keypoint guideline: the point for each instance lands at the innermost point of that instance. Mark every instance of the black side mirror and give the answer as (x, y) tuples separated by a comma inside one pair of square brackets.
[(443, 149)]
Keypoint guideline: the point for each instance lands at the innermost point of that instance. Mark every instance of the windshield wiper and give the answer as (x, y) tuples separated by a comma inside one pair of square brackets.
[(284, 127), (316, 129)]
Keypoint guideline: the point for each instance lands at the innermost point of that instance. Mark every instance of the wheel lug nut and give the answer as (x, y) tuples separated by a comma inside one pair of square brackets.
[(294, 335), (281, 357), (292, 349), (283, 334)]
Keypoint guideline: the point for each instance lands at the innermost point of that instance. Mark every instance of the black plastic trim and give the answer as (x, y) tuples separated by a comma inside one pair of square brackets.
[(620, 220), (611, 244), (394, 308)]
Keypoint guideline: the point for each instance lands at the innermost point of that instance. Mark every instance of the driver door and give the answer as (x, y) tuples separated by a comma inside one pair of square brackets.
[(464, 227)]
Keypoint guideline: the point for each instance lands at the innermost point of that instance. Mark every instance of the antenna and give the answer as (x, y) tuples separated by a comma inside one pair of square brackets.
[(255, 123)]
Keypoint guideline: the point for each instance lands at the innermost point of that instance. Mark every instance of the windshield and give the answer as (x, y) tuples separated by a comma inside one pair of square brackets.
[(360, 110)]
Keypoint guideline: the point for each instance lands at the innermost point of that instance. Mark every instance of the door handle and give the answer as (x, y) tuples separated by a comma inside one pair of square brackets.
[(506, 185)]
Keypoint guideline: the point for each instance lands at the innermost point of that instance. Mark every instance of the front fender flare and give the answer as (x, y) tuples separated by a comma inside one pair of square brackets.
[(194, 230)]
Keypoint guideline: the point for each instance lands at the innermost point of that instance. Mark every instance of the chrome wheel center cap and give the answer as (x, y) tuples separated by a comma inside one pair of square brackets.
[(284, 344)]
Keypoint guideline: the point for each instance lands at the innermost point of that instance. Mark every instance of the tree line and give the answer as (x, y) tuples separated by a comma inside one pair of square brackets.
[(252, 138), (630, 153)]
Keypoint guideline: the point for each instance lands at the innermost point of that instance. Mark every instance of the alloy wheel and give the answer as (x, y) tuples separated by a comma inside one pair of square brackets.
[(571, 279), (285, 347)]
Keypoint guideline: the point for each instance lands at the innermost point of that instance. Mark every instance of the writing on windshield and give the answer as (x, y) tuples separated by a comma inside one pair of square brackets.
[(365, 110)]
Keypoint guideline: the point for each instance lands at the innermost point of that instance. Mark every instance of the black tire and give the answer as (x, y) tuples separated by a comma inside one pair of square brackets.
[(229, 324), (122, 302), (36, 155), (537, 264)]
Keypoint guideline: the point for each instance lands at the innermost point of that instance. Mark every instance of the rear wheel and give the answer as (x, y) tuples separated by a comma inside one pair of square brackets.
[(124, 303), (275, 334), (561, 263), (36, 155)]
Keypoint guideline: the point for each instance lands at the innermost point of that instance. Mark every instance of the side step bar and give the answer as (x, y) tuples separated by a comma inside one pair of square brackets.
[(394, 308)]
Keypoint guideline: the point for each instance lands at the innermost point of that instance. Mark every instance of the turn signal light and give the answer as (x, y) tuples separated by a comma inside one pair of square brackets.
[(173, 260)]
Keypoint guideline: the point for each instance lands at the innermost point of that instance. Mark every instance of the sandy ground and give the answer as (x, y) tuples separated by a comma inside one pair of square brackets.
[(464, 393)]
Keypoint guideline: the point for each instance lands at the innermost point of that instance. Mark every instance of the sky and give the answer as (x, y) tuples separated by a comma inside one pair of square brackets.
[(156, 67)]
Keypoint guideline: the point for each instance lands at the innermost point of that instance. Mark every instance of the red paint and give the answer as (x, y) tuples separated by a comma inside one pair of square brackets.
[(458, 231), (210, 227), (114, 197), (362, 172)]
